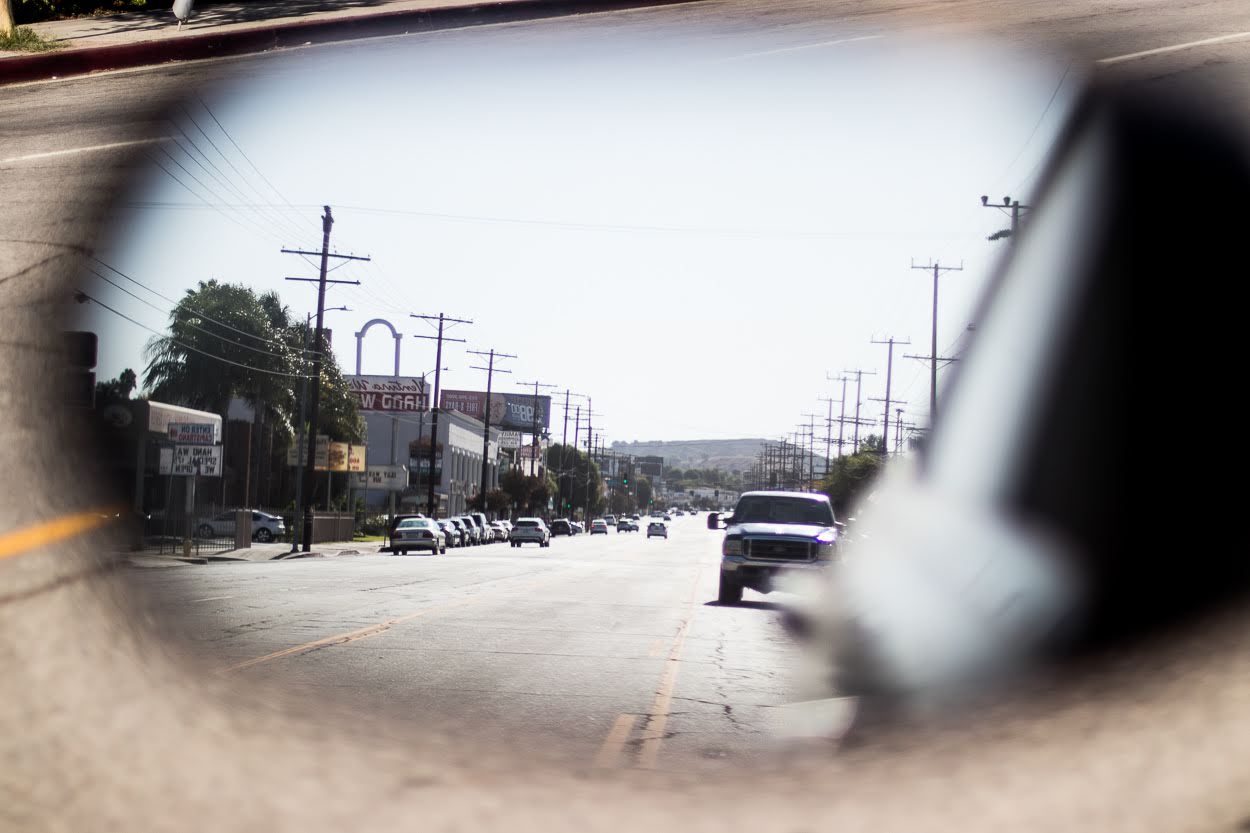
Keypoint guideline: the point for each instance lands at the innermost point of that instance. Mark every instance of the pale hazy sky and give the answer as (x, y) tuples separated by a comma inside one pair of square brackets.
[(693, 238)]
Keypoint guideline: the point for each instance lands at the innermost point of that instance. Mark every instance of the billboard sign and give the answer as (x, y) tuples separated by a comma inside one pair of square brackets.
[(296, 451), (356, 457), (385, 478), (402, 394), (204, 460), (650, 466), (338, 456), (193, 433), (510, 439), (508, 411)]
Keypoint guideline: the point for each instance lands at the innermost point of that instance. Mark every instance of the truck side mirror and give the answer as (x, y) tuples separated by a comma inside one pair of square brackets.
[(713, 520)]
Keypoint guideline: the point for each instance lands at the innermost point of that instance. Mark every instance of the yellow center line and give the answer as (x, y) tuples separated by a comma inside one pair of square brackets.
[(20, 541), (381, 627), (613, 747), (652, 737)]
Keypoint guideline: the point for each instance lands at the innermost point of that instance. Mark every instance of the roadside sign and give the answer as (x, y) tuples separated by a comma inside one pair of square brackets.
[(356, 457), (193, 433), (204, 460), (167, 460), (510, 439), (295, 451), (386, 478)]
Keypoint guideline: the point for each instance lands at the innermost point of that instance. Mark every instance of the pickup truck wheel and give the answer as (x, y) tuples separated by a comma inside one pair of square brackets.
[(730, 590)]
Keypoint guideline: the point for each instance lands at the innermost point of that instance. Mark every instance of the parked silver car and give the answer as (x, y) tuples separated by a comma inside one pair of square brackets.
[(531, 531), (265, 527), (418, 534)]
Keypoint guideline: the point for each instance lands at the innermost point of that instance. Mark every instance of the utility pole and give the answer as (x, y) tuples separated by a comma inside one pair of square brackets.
[(442, 320), (811, 450), (490, 374), (938, 269), (889, 372), (589, 456), (898, 430), (829, 433), (534, 423), (1008, 204), (859, 387), (577, 430), (305, 509), (564, 447)]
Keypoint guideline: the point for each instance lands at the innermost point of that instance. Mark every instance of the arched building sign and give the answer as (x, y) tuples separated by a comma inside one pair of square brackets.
[(360, 338)]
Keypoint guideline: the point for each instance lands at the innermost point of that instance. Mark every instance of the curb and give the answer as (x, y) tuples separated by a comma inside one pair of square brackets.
[(85, 60)]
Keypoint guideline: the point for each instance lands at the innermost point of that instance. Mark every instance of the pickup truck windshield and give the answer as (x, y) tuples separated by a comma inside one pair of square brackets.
[(782, 510)]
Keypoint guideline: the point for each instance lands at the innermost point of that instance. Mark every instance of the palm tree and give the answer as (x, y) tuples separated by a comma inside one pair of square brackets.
[(225, 342)]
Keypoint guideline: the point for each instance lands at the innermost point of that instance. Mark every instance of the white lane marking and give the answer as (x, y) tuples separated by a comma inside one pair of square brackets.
[(1177, 47), (746, 55), (89, 149), (211, 599)]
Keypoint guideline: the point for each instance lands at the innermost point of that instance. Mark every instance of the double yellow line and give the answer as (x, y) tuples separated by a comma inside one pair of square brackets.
[(612, 750)]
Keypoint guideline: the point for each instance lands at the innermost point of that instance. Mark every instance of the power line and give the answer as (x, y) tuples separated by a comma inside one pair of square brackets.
[(205, 353), (181, 304)]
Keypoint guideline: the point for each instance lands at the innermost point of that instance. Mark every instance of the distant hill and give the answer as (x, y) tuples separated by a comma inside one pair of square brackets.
[(726, 455)]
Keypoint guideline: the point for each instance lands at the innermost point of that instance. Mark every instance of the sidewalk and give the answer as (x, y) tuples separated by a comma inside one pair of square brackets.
[(132, 39), (256, 552)]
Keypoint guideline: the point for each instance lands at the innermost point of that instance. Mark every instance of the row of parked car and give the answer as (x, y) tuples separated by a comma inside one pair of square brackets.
[(417, 532)]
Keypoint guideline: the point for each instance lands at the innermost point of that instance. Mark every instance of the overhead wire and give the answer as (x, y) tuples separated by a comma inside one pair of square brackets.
[(204, 353)]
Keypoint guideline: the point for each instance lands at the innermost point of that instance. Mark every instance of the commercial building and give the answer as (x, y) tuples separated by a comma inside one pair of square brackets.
[(403, 438)]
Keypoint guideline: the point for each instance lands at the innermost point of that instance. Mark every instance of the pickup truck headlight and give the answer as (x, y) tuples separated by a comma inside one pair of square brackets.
[(732, 546), (825, 550)]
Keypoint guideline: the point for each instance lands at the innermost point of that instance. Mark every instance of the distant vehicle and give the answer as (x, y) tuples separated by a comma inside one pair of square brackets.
[(418, 534), (577, 527), (667, 516), (265, 527), (475, 534), (465, 540), (507, 525), (483, 526), (627, 525), (657, 528), (499, 531), (561, 527), (635, 517), (610, 520), (772, 532), (530, 531), (450, 533), (598, 525), (679, 513)]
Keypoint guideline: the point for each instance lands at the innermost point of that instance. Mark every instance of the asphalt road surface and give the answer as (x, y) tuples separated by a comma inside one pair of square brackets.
[(603, 651), (104, 727)]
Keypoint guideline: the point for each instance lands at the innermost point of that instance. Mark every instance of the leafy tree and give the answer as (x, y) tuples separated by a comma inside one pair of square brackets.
[(644, 491), (116, 390), (851, 477), (577, 470)]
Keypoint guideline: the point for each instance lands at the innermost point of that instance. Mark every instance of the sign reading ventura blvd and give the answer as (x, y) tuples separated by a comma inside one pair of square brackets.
[(389, 393)]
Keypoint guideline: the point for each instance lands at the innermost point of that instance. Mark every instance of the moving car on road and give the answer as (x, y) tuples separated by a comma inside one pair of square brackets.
[(657, 528), (450, 533), (770, 532), (418, 534), (598, 525), (561, 527), (626, 525), (530, 531)]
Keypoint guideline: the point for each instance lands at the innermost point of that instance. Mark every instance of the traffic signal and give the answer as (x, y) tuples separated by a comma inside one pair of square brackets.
[(625, 479)]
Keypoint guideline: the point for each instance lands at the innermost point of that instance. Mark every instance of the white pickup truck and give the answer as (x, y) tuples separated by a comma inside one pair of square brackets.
[(771, 532)]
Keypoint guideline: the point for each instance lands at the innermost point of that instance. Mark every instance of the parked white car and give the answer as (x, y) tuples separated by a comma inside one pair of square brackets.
[(418, 534), (265, 527)]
